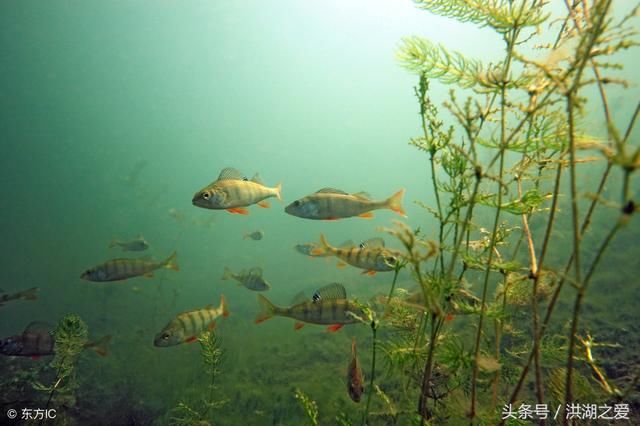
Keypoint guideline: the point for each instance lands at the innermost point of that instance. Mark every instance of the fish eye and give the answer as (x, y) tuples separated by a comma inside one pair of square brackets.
[(296, 203), (165, 336), (205, 195), (391, 260)]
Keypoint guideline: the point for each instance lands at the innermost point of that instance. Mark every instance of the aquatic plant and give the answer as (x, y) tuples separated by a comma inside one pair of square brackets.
[(212, 357), (71, 337), (309, 405), (521, 124)]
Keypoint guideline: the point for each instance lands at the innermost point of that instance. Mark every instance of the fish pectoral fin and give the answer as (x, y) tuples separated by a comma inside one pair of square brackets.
[(298, 325), (191, 339), (317, 251), (335, 327), (211, 325), (238, 210), (367, 215), (148, 275), (369, 272), (331, 218), (35, 357), (341, 265), (264, 204)]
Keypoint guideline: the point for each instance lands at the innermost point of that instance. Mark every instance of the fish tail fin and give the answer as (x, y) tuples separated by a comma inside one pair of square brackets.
[(227, 273), (395, 203), (267, 309), (223, 306), (113, 243), (245, 236), (279, 191), (172, 262), (30, 294), (100, 346), (353, 347)]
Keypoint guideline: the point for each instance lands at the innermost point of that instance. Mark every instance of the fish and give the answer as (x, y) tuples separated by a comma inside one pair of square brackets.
[(370, 255), (308, 248), (233, 192), (187, 326), (137, 244), (121, 269), (355, 380), (334, 204), (37, 340), (330, 307), (29, 294), (251, 279), (255, 235)]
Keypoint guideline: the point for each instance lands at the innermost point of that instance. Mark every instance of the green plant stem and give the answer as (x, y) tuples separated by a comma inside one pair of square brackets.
[(374, 329), (510, 40)]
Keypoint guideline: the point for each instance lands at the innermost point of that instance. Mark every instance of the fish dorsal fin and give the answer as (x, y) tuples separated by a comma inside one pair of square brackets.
[(363, 195), (372, 243), (331, 191), (347, 244), (230, 173), (299, 298), (330, 292), (257, 179), (39, 327)]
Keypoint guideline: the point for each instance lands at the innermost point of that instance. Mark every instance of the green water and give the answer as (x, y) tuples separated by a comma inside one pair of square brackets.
[(114, 113)]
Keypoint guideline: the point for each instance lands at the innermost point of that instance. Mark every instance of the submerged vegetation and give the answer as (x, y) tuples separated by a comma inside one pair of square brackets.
[(500, 172)]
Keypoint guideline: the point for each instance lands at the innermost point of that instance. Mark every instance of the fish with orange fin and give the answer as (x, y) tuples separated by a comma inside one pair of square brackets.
[(187, 326), (37, 340), (334, 204), (29, 294), (121, 269), (355, 380), (233, 191), (370, 255), (328, 305), (308, 249)]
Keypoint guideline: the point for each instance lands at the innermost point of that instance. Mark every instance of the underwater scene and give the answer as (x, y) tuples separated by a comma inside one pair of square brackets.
[(381, 212)]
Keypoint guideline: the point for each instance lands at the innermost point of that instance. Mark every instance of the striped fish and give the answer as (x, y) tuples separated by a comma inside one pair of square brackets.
[(137, 244), (121, 269), (371, 255), (329, 307), (308, 249), (232, 192), (251, 279), (29, 294), (187, 326), (333, 204), (37, 340)]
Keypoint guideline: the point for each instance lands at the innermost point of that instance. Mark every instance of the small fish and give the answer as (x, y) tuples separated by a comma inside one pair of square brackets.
[(332, 307), (255, 235), (308, 249), (187, 326), (137, 244), (333, 204), (370, 255), (232, 192), (251, 279), (30, 294), (121, 269), (355, 380), (37, 340)]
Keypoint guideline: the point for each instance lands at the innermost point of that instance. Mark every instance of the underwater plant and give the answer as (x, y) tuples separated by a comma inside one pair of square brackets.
[(309, 405), (212, 357), (71, 337), (500, 173)]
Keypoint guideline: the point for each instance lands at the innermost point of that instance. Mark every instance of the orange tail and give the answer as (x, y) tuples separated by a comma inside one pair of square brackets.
[(395, 203)]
